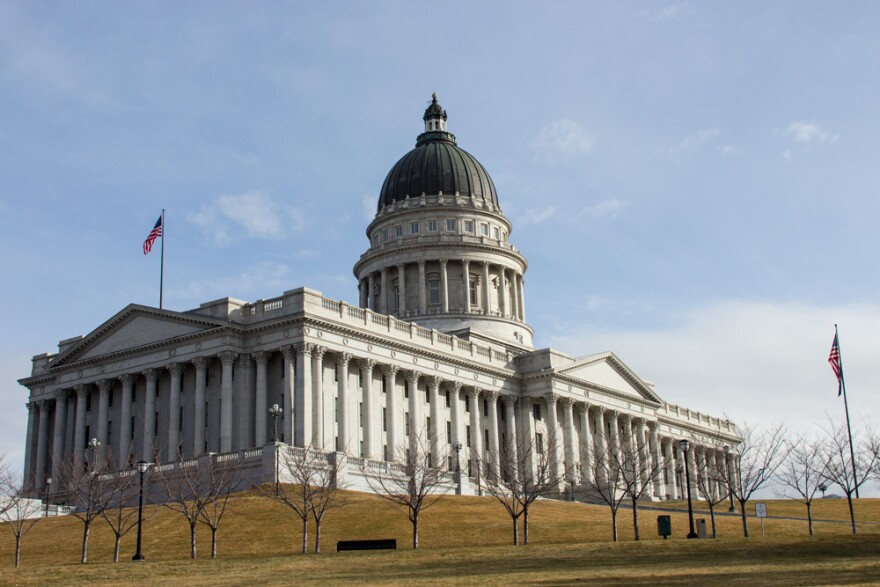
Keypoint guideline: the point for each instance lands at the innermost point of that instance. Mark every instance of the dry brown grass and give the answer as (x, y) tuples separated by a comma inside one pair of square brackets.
[(464, 540)]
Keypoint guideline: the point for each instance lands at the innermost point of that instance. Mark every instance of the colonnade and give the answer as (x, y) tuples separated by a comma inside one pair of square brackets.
[(376, 291)]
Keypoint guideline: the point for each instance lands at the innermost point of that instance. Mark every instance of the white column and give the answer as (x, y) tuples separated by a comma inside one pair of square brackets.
[(57, 436), (288, 396), (553, 435), (401, 289), (512, 441), (502, 291), (457, 421), (466, 281), (630, 446), (363, 287), (79, 434), (487, 306), (176, 370), (646, 459), (473, 396), (691, 458), (669, 468), (494, 452), (522, 298), (392, 414), (437, 431), (416, 422), (570, 439), (261, 411), (319, 437), (423, 298), (42, 438), (383, 292), (103, 411), (29, 442), (601, 461), (147, 448), (227, 360), (585, 443), (514, 306), (613, 439), (444, 286), (343, 405), (371, 294), (243, 402), (659, 465), (371, 437), (302, 410), (124, 443), (201, 365), (529, 437)]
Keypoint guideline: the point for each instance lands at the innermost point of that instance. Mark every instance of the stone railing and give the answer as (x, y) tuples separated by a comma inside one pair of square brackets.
[(691, 417), (446, 239)]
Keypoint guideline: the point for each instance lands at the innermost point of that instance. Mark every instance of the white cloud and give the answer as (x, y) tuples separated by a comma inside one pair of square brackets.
[(610, 208), (701, 137), (805, 133), (251, 214), (759, 362), (728, 149), (536, 216), (563, 139), (267, 278)]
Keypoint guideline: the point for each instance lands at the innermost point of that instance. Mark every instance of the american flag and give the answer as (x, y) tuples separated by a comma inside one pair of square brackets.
[(834, 359), (154, 234)]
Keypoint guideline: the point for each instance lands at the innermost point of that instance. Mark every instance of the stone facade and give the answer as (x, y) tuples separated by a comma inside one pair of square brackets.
[(437, 348)]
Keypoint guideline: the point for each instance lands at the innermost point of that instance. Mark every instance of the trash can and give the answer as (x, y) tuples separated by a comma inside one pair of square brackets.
[(664, 526), (701, 528)]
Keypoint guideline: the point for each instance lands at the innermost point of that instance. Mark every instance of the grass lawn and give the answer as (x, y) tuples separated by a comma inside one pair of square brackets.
[(464, 540)]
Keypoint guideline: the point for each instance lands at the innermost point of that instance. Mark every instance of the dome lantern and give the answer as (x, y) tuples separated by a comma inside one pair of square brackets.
[(435, 116)]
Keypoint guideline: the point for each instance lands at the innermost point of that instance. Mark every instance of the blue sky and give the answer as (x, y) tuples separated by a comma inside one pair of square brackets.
[(693, 184)]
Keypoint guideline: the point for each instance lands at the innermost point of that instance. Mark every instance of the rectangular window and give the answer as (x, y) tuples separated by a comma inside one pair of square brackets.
[(398, 231), (539, 442), (109, 432), (384, 419), (536, 409), (155, 424), (448, 432), (495, 232), (406, 389), (376, 240), (414, 228), (432, 226), (134, 394), (88, 437), (484, 229), (486, 438), (473, 288), (180, 420), (361, 414), (88, 402), (434, 291), (485, 407), (110, 399), (132, 428), (468, 433), (447, 398), (427, 396), (384, 235), (468, 225), (406, 423), (450, 225)]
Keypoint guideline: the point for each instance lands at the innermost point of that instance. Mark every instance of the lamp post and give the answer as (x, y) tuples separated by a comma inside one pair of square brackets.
[(456, 446), (93, 446), (729, 478), (276, 413), (49, 486), (685, 445), (142, 468), (822, 487)]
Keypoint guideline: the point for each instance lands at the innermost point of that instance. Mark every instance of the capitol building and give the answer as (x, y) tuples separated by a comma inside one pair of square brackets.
[(437, 345)]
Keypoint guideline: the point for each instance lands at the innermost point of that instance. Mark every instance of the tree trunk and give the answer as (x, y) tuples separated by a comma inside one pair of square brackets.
[(614, 525), (742, 511), (317, 536), (515, 531), (852, 514), (192, 540), (17, 550), (415, 525), (305, 544), (213, 542), (712, 516), (85, 545), (526, 525), (116, 548), (810, 516), (635, 519)]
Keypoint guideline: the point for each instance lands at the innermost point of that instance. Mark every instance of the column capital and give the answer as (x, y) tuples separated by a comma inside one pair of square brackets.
[(261, 357), (304, 348), (243, 359), (103, 385), (150, 374), (583, 407), (456, 386), (175, 369), (474, 393), (567, 402), (414, 376), (653, 426), (552, 398), (612, 414), (390, 370), (443, 262), (319, 351), (509, 400), (343, 359), (367, 365), (287, 352), (227, 357), (80, 390), (126, 379), (401, 266), (491, 394), (60, 396), (485, 264), (435, 382), (422, 263), (200, 362)]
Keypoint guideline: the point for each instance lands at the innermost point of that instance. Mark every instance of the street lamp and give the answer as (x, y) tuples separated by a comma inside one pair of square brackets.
[(729, 478), (685, 445), (49, 486), (93, 446), (276, 413), (142, 468), (822, 487), (456, 446)]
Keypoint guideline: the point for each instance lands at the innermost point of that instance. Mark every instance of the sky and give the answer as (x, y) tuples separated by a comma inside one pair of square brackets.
[(694, 185)]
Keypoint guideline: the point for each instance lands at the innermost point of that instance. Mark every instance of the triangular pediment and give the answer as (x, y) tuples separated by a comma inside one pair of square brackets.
[(607, 370), (133, 328)]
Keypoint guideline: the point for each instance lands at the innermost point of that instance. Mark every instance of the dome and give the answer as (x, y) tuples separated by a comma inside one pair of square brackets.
[(437, 164)]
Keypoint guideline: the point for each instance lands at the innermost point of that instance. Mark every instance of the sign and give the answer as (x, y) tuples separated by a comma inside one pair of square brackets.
[(761, 510)]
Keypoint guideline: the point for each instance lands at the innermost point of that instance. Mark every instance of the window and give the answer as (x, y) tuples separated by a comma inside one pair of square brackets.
[(414, 228), (384, 419), (539, 442), (406, 389), (450, 225), (468, 433), (384, 235), (432, 226), (536, 409), (395, 298), (406, 420), (434, 291), (109, 432), (398, 231), (448, 432), (484, 229), (88, 403), (468, 225), (485, 407), (376, 240), (473, 288), (447, 398), (495, 232)]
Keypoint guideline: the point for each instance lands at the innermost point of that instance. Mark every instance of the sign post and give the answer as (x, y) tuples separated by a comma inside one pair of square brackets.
[(761, 512)]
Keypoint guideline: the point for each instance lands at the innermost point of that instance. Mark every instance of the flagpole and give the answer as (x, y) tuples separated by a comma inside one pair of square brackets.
[(852, 454), (162, 273)]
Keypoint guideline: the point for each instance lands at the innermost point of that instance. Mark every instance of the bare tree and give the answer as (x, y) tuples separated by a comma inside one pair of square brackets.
[(120, 514), (199, 491), (802, 472), (638, 471), (839, 465), (312, 490), (413, 486), (711, 480), (90, 490), (606, 482), (17, 509), (758, 455), (523, 474)]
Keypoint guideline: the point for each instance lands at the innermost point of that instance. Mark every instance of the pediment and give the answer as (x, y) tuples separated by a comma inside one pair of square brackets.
[(132, 328), (609, 371)]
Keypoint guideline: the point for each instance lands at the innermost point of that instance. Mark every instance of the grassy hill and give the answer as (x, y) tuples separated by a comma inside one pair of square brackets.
[(463, 540)]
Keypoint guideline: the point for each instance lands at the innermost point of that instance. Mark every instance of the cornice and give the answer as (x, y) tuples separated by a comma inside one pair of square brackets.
[(371, 256)]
